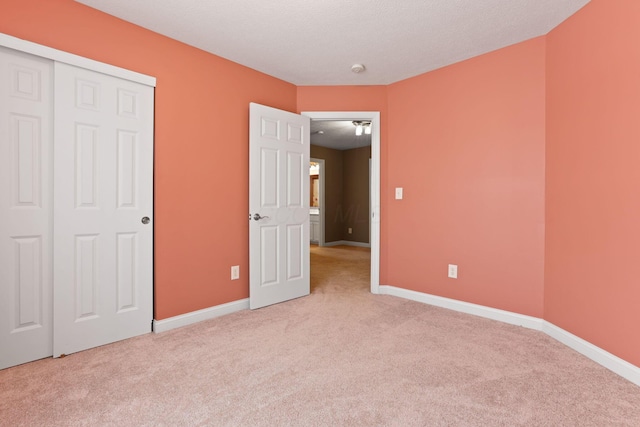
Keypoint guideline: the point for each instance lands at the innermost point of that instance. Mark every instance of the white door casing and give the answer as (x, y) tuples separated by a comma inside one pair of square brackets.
[(25, 207), (279, 194), (103, 175), (374, 117)]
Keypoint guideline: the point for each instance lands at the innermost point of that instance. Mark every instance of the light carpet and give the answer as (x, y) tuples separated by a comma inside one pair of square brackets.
[(339, 357)]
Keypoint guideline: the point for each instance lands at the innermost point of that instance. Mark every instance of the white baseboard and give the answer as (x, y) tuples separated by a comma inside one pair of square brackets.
[(200, 315), (347, 243), (465, 307), (595, 353), (598, 355)]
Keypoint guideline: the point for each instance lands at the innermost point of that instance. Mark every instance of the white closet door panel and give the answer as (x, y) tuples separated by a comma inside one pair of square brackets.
[(25, 208), (103, 188)]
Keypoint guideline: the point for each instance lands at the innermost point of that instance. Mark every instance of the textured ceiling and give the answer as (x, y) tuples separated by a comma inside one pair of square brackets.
[(317, 42), (337, 134)]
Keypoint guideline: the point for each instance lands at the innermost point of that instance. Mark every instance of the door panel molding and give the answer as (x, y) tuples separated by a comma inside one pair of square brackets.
[(27, 186), (26, 140), (278, 206), (103, 187)]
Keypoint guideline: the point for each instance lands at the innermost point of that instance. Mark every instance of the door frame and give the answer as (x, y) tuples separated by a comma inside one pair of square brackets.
[(321, 197), (76, 60), (374, 190)]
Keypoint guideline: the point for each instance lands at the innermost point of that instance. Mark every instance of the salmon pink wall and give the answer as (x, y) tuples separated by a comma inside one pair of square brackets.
[(201, 143), (592, 275), (356, 98), (466, 143)]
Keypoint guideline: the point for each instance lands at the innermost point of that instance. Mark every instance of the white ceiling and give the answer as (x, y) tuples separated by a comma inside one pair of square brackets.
[(337, 134), (317, 42)]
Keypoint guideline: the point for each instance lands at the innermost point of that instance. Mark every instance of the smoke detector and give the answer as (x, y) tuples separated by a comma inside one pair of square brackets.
[(357, 68)]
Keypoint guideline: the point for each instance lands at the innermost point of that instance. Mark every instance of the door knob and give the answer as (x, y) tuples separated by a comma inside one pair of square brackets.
[(257, 217), (145, 220)]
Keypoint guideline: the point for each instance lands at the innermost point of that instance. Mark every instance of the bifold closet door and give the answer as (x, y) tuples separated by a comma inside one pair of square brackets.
[(25, 208), (103, 205)]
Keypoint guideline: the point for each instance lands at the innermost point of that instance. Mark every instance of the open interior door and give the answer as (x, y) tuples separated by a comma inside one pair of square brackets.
[(278, 206)]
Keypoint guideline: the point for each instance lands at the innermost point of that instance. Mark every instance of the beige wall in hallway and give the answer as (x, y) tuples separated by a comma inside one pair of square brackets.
[(346, 193)]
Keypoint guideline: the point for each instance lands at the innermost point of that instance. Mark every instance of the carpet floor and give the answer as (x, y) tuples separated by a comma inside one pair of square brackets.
[(339, 357)]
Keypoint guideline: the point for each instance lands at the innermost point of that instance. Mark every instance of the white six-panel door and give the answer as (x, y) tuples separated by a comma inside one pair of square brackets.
[(76, 181), (102, 209), (25, 208), (278, 205)]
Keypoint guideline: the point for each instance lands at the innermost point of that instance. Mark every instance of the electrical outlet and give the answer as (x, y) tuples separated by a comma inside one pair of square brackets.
[(453, 271), (350, 230), (235, 272)]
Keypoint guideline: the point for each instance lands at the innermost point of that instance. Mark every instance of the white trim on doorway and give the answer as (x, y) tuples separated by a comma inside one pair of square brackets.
[(75, 60), (374, 117)]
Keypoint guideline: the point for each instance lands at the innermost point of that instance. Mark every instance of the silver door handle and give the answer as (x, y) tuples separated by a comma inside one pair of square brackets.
[(145, 220), (257, 217)]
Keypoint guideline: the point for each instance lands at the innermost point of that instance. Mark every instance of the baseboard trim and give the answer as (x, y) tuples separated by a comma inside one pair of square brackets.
[(602, 357), (347, 243), (200, 315), (593, 352), (465, 307)]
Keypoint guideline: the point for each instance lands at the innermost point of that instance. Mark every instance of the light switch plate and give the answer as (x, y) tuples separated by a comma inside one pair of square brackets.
[(235, 272), (453, 271), (398, 193)]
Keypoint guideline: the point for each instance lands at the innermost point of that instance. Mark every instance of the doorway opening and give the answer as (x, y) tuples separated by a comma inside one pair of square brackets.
[(353, 221), (316, 201)]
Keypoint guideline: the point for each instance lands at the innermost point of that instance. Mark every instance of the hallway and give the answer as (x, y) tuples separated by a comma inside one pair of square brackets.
[(340, 269)]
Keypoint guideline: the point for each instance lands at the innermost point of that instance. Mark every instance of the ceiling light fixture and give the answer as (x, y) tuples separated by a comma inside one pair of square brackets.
[(357, 68), (362, 126)]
